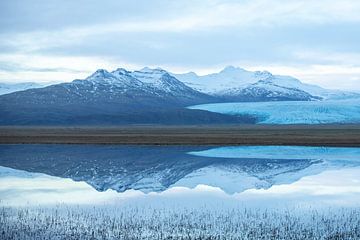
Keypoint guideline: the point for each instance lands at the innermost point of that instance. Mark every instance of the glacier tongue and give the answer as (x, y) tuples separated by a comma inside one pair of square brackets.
[(292, 112)]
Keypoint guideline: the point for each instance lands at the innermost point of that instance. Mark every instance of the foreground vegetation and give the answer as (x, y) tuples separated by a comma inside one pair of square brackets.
[(65, 222)]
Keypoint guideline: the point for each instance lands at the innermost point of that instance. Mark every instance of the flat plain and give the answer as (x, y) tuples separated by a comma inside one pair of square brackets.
[(305, 135)]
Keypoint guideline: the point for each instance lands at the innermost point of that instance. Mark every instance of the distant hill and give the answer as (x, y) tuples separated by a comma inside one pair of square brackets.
[(6, 88)]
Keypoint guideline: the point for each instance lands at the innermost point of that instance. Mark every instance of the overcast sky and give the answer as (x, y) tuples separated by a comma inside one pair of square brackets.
[(60, 40)]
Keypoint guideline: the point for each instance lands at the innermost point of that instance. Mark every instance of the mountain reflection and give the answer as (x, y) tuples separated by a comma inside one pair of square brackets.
[(154, 168)]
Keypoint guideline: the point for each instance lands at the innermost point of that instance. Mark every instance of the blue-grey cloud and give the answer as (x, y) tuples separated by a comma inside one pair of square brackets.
[(185, 34), (15, 67)]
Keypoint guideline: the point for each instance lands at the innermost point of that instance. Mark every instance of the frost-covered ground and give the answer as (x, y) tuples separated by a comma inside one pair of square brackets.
[(293, 112), (66, 222)]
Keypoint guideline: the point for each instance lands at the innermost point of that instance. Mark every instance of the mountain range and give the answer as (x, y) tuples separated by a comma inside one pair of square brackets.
[(6, 88), (151, 96), (234, 83)]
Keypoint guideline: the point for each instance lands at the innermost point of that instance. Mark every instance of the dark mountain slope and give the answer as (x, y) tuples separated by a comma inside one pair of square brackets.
[(111, 98)]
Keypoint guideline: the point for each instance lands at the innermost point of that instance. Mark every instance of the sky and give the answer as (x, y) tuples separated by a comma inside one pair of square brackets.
[(61, 40)]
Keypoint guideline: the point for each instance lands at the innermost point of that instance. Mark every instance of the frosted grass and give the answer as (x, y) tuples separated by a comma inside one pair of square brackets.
[(66, 222)]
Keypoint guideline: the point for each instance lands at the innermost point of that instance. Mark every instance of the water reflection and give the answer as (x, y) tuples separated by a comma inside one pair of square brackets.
[(149, 190), (157, 168), (150, 168), (328, 189)]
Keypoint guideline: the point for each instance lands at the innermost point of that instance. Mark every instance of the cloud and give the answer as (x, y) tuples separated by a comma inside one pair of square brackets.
[(207, 16), (30, 67), (63, 40), (15, 67), (340, 58)]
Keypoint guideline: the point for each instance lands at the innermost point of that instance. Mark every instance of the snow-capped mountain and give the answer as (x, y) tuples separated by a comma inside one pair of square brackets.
[(118, 97), (161, 80), (152, 82), (152, 96), (266, 90), (259, 85), (229, 77), (6, 88)]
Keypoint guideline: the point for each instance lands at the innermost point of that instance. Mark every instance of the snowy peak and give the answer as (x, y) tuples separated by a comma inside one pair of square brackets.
[(230, 84), (120, 71), (156, 82), (233, 81), (148, 75), (161, 80), (100, 74), (114, 79), (230, 77), (232, 70)]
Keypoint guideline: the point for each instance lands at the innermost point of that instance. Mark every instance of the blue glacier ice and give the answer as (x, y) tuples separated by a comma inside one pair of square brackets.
[(292, 112)]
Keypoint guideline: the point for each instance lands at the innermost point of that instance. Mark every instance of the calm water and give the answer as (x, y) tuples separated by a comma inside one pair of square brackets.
[(179, 175)]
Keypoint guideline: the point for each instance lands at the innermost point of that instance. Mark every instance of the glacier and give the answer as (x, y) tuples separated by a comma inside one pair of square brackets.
[(291, 112)]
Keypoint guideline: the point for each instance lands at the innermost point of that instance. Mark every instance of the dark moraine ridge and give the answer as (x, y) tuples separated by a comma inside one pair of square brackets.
[(306, 135)]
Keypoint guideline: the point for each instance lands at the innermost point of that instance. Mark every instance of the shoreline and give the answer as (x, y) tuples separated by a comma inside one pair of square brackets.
[(222, 135)]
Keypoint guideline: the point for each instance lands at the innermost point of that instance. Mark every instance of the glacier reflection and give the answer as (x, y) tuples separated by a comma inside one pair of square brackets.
[(329, 188), (101, 171)]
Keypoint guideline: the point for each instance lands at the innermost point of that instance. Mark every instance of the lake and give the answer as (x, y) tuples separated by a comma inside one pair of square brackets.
[(141, 192)]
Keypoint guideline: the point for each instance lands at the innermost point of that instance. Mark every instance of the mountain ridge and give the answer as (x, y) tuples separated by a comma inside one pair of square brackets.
[(107, 98), (6, 88), (235, 81), (146, 96), (224, 84)]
